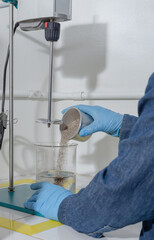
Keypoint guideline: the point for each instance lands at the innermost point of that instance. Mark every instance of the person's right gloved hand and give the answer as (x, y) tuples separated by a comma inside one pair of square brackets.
[(105, 120)]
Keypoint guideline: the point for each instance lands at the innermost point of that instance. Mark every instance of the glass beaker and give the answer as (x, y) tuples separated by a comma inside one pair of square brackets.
[(56, 163)]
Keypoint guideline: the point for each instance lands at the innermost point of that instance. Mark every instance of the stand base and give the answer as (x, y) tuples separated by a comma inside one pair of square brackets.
[(15, 200)]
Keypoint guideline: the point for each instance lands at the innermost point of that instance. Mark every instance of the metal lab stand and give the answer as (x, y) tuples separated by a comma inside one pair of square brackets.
[(11, 142), (12, 197)]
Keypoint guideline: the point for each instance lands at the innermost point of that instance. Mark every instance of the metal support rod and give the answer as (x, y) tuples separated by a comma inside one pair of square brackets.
[(11, 153), (50, 84)]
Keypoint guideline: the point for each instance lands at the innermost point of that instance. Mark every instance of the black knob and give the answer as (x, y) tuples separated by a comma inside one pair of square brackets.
[(52, 31)]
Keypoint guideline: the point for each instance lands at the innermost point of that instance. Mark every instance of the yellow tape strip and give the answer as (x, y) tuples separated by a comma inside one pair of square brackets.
[(27, 229), (68, 183), (18, 182), (30, 181)]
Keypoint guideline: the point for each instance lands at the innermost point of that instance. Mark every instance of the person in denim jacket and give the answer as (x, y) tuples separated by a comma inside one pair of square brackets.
[(123, 192)]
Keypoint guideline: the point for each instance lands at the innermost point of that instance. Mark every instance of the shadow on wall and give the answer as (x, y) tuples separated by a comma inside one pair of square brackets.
[(84, 52), (26, 149), (105, 150)]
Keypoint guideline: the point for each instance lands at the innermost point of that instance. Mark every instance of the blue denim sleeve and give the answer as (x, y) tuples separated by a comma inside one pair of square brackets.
[(123, 192)]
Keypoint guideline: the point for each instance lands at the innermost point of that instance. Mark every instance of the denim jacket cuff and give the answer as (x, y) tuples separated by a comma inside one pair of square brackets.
[(127, 125), (62, 217), (63, 210)]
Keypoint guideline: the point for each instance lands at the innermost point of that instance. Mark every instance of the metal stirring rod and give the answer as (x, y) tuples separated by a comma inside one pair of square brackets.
[(50, 84)]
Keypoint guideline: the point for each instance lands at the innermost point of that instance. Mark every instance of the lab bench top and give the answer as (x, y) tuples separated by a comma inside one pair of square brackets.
[(15, 225)]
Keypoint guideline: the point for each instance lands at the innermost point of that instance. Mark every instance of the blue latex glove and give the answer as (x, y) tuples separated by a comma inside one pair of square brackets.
[(47, 199), (105, 120), (14, 2)]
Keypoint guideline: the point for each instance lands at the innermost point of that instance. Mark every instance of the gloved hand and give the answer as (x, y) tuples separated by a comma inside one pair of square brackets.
[(14, 2), (105, 120), (47, 199)]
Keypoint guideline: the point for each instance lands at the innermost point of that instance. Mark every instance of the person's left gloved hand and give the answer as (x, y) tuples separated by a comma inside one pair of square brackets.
[(14, 2), (47, 199)]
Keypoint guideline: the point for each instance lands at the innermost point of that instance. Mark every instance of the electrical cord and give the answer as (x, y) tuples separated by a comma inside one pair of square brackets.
[(3, 115)]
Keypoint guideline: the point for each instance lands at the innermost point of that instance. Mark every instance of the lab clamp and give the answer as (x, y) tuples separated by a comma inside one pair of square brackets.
[(32, 15)]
